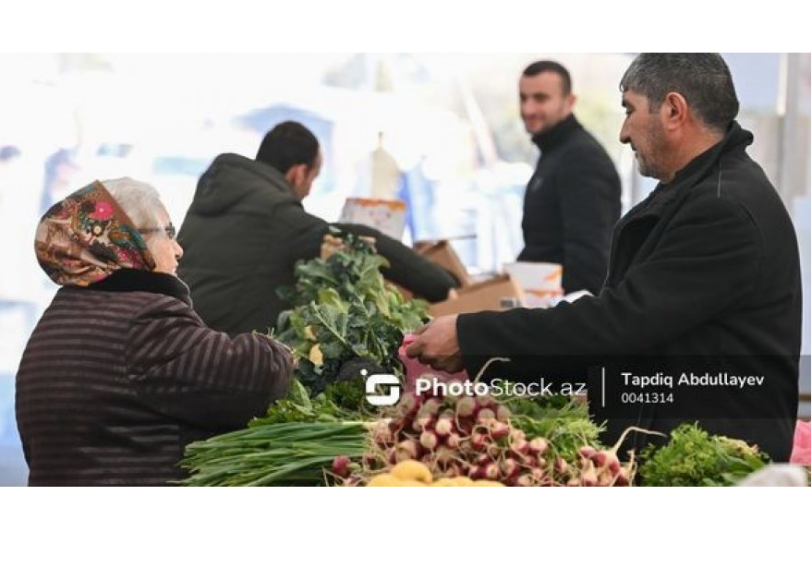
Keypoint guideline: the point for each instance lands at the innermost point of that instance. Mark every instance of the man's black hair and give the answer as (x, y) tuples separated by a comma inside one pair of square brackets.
[(547, 66), (288, 144)]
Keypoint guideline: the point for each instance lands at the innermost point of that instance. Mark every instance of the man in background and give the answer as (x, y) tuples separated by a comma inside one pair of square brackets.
[(573, 199), (246, 228)]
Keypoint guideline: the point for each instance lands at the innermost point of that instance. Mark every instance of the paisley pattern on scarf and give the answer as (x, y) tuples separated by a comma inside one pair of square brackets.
[(86, 237)]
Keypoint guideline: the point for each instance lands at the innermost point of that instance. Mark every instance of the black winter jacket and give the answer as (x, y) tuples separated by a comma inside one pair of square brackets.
[(704, 276), (570, 206), (243, 235)]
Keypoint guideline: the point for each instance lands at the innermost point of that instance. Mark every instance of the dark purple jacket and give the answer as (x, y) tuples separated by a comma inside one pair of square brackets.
[(120, 376)]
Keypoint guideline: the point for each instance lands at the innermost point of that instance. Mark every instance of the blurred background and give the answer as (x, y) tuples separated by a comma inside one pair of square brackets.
[(440, 131)]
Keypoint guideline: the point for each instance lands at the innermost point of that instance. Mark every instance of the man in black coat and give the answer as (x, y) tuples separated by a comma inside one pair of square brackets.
[(573, 199), (247, 228), (703, 285)]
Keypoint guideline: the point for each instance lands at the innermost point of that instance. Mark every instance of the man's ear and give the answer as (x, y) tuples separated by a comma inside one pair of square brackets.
[(296, 175), (674, 110)]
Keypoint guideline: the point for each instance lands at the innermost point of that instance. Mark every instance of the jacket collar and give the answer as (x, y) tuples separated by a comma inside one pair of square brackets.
[(232, 178), (129, 280), (736, 139), (262, 170), (555, 136)]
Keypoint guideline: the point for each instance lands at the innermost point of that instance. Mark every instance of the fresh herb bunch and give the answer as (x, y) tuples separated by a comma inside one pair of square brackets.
[(695, 458), (343, 311), (340, 401), (562, 421), (291, 453)]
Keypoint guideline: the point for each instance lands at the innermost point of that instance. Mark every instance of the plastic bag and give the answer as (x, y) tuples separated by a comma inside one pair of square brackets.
[(800, 445), (415, 369)]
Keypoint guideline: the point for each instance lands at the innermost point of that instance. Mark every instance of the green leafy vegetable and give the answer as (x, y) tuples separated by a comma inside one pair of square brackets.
[(345, 311), (695, 458)]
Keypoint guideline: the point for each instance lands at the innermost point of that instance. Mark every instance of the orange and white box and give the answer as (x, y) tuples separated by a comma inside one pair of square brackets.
[(388, 216), (540, 282)]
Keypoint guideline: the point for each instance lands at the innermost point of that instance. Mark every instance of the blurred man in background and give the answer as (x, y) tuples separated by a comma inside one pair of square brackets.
[(573, 199), (247, 228)]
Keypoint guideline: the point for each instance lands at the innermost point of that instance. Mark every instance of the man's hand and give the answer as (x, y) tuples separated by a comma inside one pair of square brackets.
[(436, 344)]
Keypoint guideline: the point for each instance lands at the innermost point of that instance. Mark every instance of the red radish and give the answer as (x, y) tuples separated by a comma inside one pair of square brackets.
[(574, 482), (561, 465), (539, 446), (537, 474), (587, 451), (430, 407), (466, 407), (524, 481), (483, 459), (491, 471), (516, 434), (479, 441), (520, 447), (588, 476), (341, 466), (498, 430), (485, 415), (428, 440), (510, 467), (477, 472), (422, 422), (454, 470), (495, 451), (623, 476), (503, 412), (444, 426), (529, 461), (408, 405), (381, 434), (407, 450), (453, 441), (608, 459), (605, 479), (622, 479)]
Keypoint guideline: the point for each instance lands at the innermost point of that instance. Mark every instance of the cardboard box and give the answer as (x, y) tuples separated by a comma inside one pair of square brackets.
[(442, 253), (482, 296)]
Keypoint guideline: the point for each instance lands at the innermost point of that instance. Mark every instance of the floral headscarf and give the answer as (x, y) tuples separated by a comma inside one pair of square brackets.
[(87, 236)]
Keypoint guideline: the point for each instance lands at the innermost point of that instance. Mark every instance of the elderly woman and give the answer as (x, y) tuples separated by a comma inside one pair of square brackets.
[(120, 373)]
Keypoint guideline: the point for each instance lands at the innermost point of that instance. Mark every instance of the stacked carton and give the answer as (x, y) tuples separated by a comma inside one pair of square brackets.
[(496, 293)]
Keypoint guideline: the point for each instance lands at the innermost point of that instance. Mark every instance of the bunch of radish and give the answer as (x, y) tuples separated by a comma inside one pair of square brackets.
[(473, 436)]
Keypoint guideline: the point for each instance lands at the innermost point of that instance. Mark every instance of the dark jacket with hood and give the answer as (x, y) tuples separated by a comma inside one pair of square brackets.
[(120, 373), (243, 235), (703, 279), (570, 206)]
